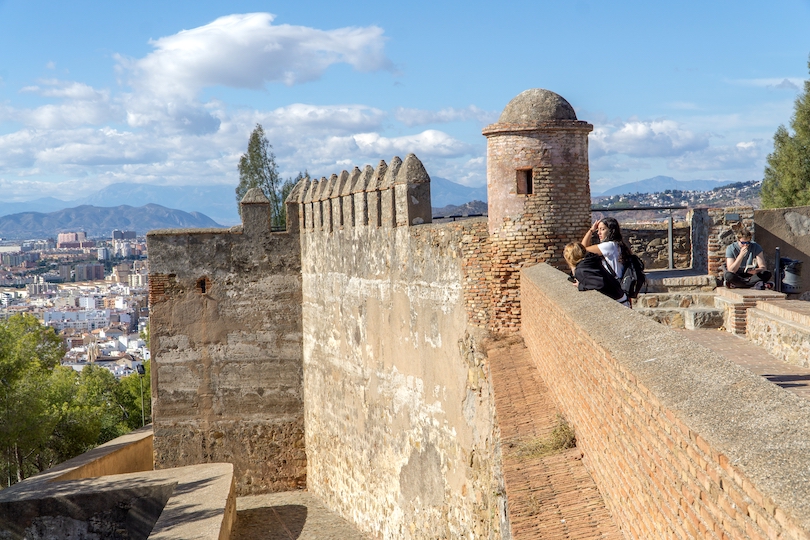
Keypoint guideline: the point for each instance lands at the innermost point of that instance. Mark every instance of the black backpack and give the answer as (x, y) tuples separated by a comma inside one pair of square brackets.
[(633, 279)]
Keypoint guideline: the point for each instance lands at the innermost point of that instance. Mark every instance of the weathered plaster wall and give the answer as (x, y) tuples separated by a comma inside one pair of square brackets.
[(681, 442), (789, 230), (400, 431), (227, 374)]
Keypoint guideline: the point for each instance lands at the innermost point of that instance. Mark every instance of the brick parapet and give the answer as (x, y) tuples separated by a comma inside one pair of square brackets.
[(680, 442)]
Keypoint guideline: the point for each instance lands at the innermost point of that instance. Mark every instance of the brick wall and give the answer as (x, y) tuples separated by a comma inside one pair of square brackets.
[(721, 233), (225, 324), (529, 228), (681, 443)]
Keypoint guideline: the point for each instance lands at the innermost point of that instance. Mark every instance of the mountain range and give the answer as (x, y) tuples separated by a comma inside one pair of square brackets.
[(216, 201), (658, 184), (96, 221)]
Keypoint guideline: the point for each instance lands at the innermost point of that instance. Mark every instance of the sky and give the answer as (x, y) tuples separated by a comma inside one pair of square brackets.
[(94, 93)]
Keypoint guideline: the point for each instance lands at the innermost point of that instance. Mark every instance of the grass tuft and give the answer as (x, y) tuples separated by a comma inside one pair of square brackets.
[(561, 438)]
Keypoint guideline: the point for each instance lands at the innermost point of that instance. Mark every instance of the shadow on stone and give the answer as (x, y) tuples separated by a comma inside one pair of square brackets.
[(283, 522)]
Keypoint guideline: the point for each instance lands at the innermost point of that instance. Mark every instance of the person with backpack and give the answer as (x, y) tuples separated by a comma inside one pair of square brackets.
[(617, 256), (590, 275)]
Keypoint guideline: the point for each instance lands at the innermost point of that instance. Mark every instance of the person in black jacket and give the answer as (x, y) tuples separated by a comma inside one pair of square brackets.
[(590, 273)]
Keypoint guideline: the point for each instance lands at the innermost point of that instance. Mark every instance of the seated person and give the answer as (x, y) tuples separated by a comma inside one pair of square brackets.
[(591, 275), (745, 262)]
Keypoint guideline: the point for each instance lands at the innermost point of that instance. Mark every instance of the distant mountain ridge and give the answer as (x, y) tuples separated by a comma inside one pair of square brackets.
[(215, 201), (100, 221), (658, 184)]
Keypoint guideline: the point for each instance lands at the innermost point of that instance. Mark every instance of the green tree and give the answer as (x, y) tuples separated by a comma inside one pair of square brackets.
[(787, 174), (257, 168), (130, 397)]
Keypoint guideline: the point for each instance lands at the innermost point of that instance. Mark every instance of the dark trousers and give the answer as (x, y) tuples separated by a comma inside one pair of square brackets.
[(745, 281)]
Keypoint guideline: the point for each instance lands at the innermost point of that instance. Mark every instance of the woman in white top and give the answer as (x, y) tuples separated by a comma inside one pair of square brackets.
[(611, 245)]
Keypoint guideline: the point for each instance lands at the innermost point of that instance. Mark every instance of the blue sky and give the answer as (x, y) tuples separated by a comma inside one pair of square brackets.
[(93, 93)]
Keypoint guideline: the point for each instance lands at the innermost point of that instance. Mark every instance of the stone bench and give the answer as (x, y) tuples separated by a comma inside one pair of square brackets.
[(783, 328), (737, 302)]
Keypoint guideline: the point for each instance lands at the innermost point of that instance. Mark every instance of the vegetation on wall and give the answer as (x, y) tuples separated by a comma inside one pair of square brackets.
[(50, 413), (257, 168), (787, 174)]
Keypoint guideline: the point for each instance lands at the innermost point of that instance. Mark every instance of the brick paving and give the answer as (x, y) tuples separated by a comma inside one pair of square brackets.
[(755, 358), (552, 496), (292, 515)]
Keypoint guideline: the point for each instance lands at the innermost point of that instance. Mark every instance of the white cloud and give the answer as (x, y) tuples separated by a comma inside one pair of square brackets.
[(657, 138), (248, 51), (80, 105), (743, 155), (420, 117)]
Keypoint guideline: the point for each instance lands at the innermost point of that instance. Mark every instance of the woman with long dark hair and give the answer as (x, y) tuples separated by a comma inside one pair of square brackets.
[(611, 245)]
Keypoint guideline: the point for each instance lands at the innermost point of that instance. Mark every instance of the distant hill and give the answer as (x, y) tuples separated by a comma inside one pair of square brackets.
[(445, 192), (737, 194), (466, 209), (100, 221), (658, 184), (216, 201)]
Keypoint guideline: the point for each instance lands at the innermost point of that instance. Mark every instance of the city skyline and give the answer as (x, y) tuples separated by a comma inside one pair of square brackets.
[(168, 94)]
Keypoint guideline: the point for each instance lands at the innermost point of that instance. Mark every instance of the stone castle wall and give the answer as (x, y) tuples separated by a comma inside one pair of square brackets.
[(400, 430), (681, 443), (226, 346)]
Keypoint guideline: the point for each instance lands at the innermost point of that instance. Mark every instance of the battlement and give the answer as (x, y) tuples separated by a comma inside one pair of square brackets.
[(395, 195)]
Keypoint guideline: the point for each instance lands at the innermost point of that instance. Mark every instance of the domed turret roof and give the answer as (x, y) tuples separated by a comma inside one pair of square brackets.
[(537, 105)]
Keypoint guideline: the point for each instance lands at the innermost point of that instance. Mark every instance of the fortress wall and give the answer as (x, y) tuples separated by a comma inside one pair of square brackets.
[(681, 442), (400, 432), (225, 326), (789, 230)]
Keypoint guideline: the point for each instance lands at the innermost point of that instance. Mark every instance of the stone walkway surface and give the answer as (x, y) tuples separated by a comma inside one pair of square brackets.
[(292, 515), (552, 496), (755, 358)]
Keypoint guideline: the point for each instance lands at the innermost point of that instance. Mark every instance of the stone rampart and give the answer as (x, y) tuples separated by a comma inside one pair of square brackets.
[(400, 430), (681, 442), (226, 346)]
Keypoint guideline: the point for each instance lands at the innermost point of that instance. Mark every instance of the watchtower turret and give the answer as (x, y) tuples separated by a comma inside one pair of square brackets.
[(538, 191)]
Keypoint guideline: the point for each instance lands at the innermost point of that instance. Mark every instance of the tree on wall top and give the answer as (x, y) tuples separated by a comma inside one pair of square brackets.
[(787, 174), (257, 168)]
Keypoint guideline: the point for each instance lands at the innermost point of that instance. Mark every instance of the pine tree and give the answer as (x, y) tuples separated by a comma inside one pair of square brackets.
[(787, 175), (257, 168)]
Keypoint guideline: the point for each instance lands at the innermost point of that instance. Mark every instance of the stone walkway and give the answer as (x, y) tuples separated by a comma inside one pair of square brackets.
[(552, 496), (293, 515), (755, 358)]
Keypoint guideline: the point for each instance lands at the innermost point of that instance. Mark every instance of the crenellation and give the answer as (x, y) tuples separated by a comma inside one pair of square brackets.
[(382, 194), (395, 195)]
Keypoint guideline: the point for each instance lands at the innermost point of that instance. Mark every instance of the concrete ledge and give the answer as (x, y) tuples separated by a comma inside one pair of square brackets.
[(681, 442), (663, 281), (781, 330), (797, 311), (88, 497)]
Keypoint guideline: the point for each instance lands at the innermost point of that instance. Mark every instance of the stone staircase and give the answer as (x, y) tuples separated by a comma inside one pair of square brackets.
[(680, 300)]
